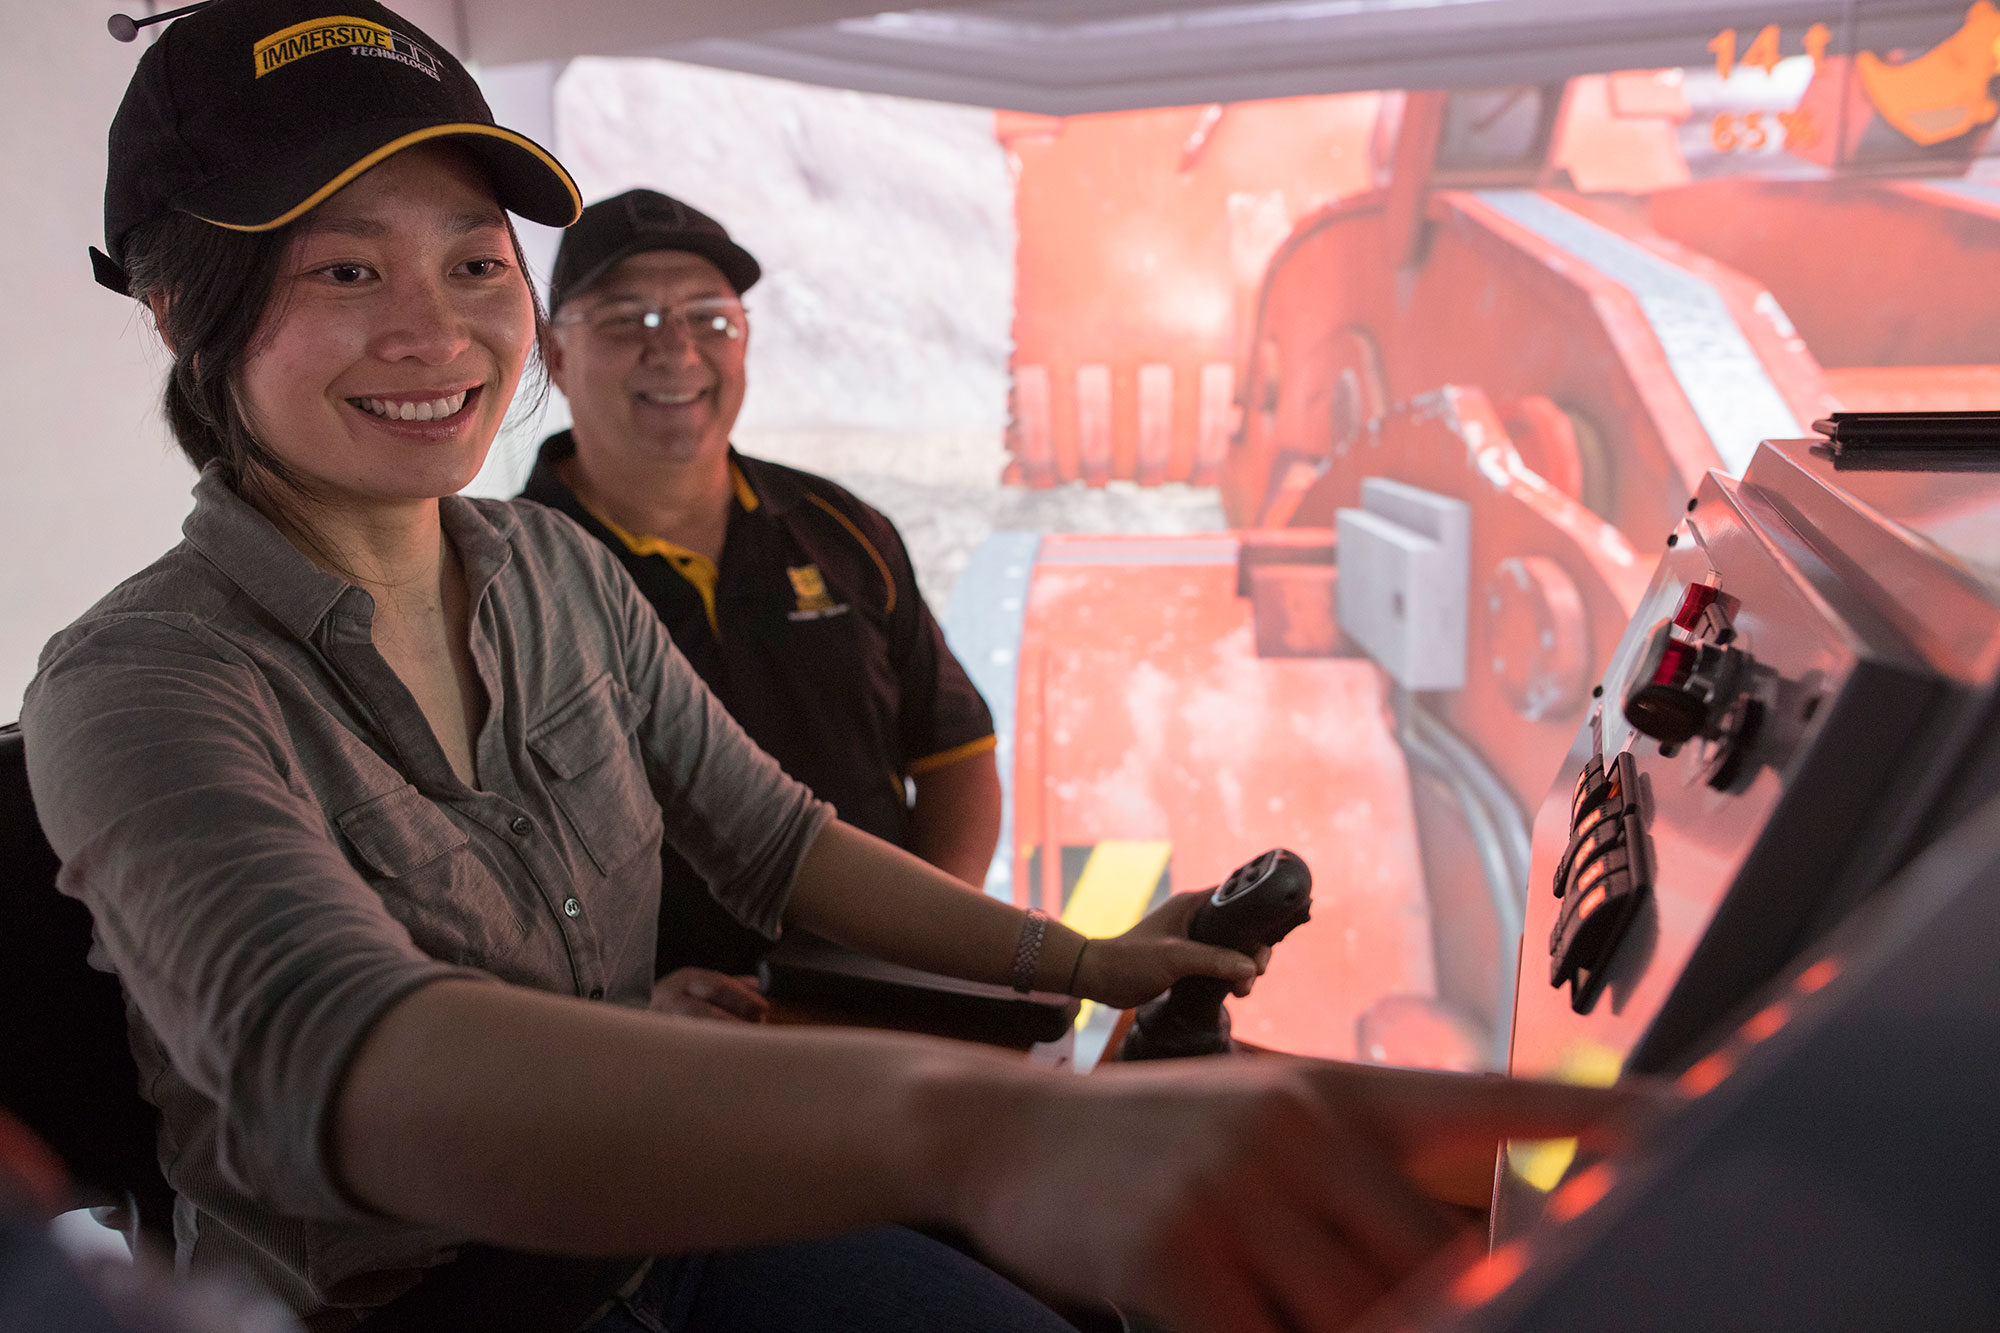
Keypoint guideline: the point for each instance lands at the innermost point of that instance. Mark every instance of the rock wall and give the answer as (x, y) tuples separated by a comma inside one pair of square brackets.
[(881, 331), (885, 228)]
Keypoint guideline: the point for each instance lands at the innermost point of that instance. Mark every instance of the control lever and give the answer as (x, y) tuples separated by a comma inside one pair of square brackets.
[(1258, 905)]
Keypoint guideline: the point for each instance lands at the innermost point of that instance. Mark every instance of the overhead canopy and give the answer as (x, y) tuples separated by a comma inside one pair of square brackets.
[(1063, 57)]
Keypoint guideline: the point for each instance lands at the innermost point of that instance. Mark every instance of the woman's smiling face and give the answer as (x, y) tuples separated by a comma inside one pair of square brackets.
[(395, 337)]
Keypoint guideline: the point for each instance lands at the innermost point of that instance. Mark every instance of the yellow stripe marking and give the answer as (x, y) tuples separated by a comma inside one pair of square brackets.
[(1112, 893), (1116, 885), (394, 146)]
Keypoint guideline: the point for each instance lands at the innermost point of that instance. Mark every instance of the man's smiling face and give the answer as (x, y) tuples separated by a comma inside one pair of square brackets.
[(664, 396)]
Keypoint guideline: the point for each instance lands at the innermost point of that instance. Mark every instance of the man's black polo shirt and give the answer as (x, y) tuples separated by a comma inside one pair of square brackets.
[(815, 638)]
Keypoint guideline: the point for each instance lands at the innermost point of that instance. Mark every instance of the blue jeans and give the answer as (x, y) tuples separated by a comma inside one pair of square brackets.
[(889, 1280)]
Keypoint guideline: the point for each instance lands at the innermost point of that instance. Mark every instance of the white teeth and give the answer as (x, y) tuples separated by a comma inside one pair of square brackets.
[(435, 410), (673, 399)]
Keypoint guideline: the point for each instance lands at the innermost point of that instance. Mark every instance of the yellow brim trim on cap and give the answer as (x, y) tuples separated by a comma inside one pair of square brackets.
[(394, 146)]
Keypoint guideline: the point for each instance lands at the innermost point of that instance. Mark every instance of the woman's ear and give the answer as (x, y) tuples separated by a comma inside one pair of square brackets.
[(156, 302)]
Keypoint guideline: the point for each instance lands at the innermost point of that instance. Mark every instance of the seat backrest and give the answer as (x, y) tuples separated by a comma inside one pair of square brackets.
[(65, 1061)]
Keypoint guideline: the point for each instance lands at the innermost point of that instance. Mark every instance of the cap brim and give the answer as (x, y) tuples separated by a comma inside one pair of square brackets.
[(527, 179), (737, 264)]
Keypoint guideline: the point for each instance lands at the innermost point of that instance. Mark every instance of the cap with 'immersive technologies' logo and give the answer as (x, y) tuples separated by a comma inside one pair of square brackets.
[(249, 113)]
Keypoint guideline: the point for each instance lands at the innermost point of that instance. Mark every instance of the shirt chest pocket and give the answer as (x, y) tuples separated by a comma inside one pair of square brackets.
[(398, 833), (594, 773), (413, 854)]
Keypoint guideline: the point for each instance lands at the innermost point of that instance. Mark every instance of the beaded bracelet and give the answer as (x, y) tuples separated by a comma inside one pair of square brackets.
[(1028, 951)]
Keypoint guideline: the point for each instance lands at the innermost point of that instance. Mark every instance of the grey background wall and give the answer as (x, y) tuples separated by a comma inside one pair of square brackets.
[(90, 487)]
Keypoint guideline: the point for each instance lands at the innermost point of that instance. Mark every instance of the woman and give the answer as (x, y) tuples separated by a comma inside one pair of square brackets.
[(364, 785)]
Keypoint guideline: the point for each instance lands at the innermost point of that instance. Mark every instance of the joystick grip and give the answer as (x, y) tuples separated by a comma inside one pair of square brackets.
[(1258, 905)]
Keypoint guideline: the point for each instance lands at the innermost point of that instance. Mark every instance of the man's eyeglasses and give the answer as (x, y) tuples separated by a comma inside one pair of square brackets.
[(717, 320)]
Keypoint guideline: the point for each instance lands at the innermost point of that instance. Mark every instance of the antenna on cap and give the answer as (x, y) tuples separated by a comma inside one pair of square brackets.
[(126, 28)]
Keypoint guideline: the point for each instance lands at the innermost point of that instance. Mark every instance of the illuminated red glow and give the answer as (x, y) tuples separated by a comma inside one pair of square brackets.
[(1817, 976), (1703, 1078), (1591, 902), (1582, 1194), (1767, 1022), (1490, 1276)]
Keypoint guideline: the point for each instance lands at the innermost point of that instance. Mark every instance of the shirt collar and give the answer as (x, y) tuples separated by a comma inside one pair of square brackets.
[(248, 548), (757, 486)]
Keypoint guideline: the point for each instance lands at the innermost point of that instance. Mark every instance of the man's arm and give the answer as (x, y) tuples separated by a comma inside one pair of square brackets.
[(956, 819)]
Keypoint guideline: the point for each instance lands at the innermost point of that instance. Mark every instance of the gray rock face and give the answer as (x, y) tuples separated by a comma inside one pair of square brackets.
[(942, 492), (881, 331), (885, 228)]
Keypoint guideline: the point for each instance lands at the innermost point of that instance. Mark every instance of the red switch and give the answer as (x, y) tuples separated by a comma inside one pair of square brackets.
[(1694, 604)]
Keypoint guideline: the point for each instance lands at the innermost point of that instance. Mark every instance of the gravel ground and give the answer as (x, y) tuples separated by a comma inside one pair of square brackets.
[(942, 492)]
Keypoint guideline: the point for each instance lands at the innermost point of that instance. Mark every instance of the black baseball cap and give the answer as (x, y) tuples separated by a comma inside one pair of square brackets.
[(633, 223), (249, 113)]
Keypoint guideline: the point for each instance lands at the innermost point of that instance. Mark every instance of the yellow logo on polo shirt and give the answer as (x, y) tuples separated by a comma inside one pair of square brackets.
[(810, 588), (340, 32)]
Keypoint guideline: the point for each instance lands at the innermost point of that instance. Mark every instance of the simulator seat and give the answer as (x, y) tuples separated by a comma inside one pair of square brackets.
[(66, 1067), (66, 1071)]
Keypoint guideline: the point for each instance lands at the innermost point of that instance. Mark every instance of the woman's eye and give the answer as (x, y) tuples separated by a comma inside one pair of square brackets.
[(485, 268), (346, 275)]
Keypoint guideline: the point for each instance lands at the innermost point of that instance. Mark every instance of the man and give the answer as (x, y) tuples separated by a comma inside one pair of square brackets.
[(794, 601)]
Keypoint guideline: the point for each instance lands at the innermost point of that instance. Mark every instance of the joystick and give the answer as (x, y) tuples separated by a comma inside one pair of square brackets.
[(1258, 905)]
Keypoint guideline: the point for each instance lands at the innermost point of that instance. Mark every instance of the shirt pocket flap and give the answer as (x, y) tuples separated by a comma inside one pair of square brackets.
[(400, 831), (590, 728)]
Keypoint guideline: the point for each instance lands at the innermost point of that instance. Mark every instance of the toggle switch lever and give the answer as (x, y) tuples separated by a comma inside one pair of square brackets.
[(1258, 905)]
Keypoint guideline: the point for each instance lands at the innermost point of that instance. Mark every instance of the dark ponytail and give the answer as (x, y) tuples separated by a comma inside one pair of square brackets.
[(209, 288)]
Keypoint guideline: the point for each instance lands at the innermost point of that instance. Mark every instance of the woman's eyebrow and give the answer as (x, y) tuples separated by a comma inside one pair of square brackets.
[(363, 227)]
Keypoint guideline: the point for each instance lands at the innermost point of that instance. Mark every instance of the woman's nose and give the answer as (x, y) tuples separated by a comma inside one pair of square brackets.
[(423, 323)]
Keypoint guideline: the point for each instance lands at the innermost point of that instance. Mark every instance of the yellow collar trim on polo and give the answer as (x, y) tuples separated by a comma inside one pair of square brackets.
[(394, 146), (700, 572), (744, 495), (696, 568)]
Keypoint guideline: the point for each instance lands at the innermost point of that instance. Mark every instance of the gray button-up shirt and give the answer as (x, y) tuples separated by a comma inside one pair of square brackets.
[(275, 849)]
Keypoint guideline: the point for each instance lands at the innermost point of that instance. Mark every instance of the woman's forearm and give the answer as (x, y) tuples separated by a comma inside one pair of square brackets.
[(547, 1123), (877, 899), (542, 1122)]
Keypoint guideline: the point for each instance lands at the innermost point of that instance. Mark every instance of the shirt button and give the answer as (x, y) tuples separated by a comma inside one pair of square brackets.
[(597, 992), (520, 826), (572, 908)]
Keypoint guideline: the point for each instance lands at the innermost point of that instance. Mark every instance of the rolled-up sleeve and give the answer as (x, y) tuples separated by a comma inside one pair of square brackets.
[(252, 949), (729, 809)]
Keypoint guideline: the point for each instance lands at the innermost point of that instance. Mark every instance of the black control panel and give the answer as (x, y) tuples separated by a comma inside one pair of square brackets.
[(1602, 879)]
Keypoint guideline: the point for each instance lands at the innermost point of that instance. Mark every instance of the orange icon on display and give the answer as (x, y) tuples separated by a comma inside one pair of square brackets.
[(1942, 93)]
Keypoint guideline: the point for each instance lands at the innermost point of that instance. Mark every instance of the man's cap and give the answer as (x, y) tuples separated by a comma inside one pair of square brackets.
[(249, 113), (633, 223)]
